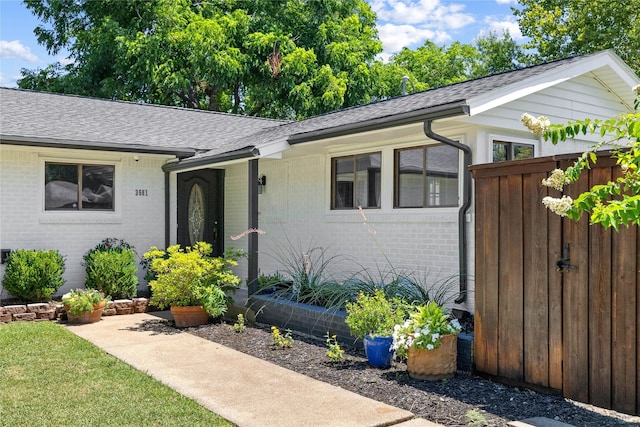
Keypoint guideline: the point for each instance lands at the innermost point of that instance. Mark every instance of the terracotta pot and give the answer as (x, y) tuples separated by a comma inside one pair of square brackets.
[(435, 364), (189, 316), (87, 316)]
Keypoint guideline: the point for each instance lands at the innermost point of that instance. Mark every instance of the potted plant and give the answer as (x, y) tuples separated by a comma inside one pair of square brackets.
[(191, 282), (428, 340), (372, 319), (84, 305)]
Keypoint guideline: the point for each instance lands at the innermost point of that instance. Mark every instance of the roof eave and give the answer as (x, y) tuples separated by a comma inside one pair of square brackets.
[(97, 146), (451, 109), (184, 165)]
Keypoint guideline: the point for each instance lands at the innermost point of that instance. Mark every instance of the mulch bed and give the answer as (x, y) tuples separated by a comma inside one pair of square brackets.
[(460, 401)]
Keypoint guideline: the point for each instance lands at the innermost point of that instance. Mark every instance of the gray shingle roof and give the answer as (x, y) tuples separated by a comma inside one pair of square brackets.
[(37, 116), (94, 122), (389, 110)]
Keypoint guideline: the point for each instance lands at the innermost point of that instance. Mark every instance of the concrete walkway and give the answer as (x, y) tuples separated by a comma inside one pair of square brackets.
[(243, 389)]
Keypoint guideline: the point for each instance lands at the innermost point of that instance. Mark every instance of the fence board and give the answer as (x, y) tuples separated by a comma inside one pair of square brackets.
[(575, 304), (554, 278), (486, 289), (589, 317), (624, 322), (600, 306), (510, 283), (536, 302)]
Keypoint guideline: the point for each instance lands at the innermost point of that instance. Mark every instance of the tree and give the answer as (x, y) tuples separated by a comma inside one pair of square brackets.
[(290, 58), (431, 66), (614, 203), (561, 28), (496, 55), (434, 65)]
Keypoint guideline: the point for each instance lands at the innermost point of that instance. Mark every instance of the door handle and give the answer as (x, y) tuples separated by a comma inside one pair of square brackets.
[(564, 263)]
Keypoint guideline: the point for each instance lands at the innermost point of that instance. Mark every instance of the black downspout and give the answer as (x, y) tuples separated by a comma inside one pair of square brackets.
[(167, 211), (466, 203), (252, 279)]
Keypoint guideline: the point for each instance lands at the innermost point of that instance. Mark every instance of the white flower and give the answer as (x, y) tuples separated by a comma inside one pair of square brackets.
[(430, 347), (636, 89), (435, 337), (558, 206), (537, 126), (557, 180)]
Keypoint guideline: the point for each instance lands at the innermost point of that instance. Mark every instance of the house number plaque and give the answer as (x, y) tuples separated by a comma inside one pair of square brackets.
[(141, 192)]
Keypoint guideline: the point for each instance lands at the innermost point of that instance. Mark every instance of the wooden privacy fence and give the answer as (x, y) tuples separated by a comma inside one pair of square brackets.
[(574, 329)]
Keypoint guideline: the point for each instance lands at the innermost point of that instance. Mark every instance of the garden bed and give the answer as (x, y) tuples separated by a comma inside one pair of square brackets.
[(317, 321), (462, 400)]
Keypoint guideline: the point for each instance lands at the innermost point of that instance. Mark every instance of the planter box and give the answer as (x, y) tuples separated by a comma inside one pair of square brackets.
[(308, 319)]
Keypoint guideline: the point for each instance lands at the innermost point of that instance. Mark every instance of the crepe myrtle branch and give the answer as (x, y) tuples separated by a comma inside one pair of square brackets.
[(612, 204)]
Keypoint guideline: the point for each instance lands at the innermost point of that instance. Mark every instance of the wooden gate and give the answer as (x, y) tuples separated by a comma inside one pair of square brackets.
[(574, 329)]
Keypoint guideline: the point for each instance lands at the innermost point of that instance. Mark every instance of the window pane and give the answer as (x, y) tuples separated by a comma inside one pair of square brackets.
[(442, 176), (522, 151), (60, 186), (410, 178), (368, 181), (97, 187), (500, 151), (343, 183)]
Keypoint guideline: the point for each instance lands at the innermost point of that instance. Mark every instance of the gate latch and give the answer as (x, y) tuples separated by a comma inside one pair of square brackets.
[(564, 262)]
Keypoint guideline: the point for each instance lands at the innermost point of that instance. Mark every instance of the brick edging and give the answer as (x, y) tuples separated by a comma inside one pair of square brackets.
[(54, 310)]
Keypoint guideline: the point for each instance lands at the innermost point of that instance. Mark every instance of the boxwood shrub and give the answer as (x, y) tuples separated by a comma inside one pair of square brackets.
[(33, 275), (111, 268)]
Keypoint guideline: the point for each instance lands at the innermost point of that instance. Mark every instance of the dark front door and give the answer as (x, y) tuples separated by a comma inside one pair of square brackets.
[(201, 208)]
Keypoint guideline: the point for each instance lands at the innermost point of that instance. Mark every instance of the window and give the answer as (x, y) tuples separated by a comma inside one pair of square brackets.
[(426, 176), (503, 151), (78, 187), (355, 181)]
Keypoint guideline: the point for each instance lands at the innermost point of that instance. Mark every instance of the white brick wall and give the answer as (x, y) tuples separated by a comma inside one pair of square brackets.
[(294, 207), (25, 225)]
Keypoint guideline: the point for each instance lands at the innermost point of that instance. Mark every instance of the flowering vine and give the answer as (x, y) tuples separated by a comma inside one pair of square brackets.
[(614, 203)]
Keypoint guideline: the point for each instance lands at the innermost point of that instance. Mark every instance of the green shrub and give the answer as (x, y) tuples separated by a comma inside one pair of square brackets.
[(374, 315), (111, 268), (33, 275), (191, 277)]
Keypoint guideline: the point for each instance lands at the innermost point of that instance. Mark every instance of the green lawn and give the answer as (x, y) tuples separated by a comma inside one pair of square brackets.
[(49, 376)]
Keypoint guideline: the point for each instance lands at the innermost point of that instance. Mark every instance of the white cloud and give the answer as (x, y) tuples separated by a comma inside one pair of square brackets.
[(64, 60), (426, 13), (505, 1), (16, 50), (500, 27), (395, 37), (408, 23)]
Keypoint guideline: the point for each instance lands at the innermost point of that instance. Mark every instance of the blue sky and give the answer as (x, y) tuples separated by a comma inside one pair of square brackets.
[(400, 23)]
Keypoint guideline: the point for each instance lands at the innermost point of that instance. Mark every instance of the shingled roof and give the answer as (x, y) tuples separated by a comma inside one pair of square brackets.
[(39, 118), (433, 103), (44, 118)]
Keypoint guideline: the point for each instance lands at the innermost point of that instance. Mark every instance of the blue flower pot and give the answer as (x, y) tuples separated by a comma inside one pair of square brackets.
[(378, 350)]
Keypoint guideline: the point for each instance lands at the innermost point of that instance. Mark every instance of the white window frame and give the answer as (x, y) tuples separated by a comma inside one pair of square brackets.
[(82, 216)]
